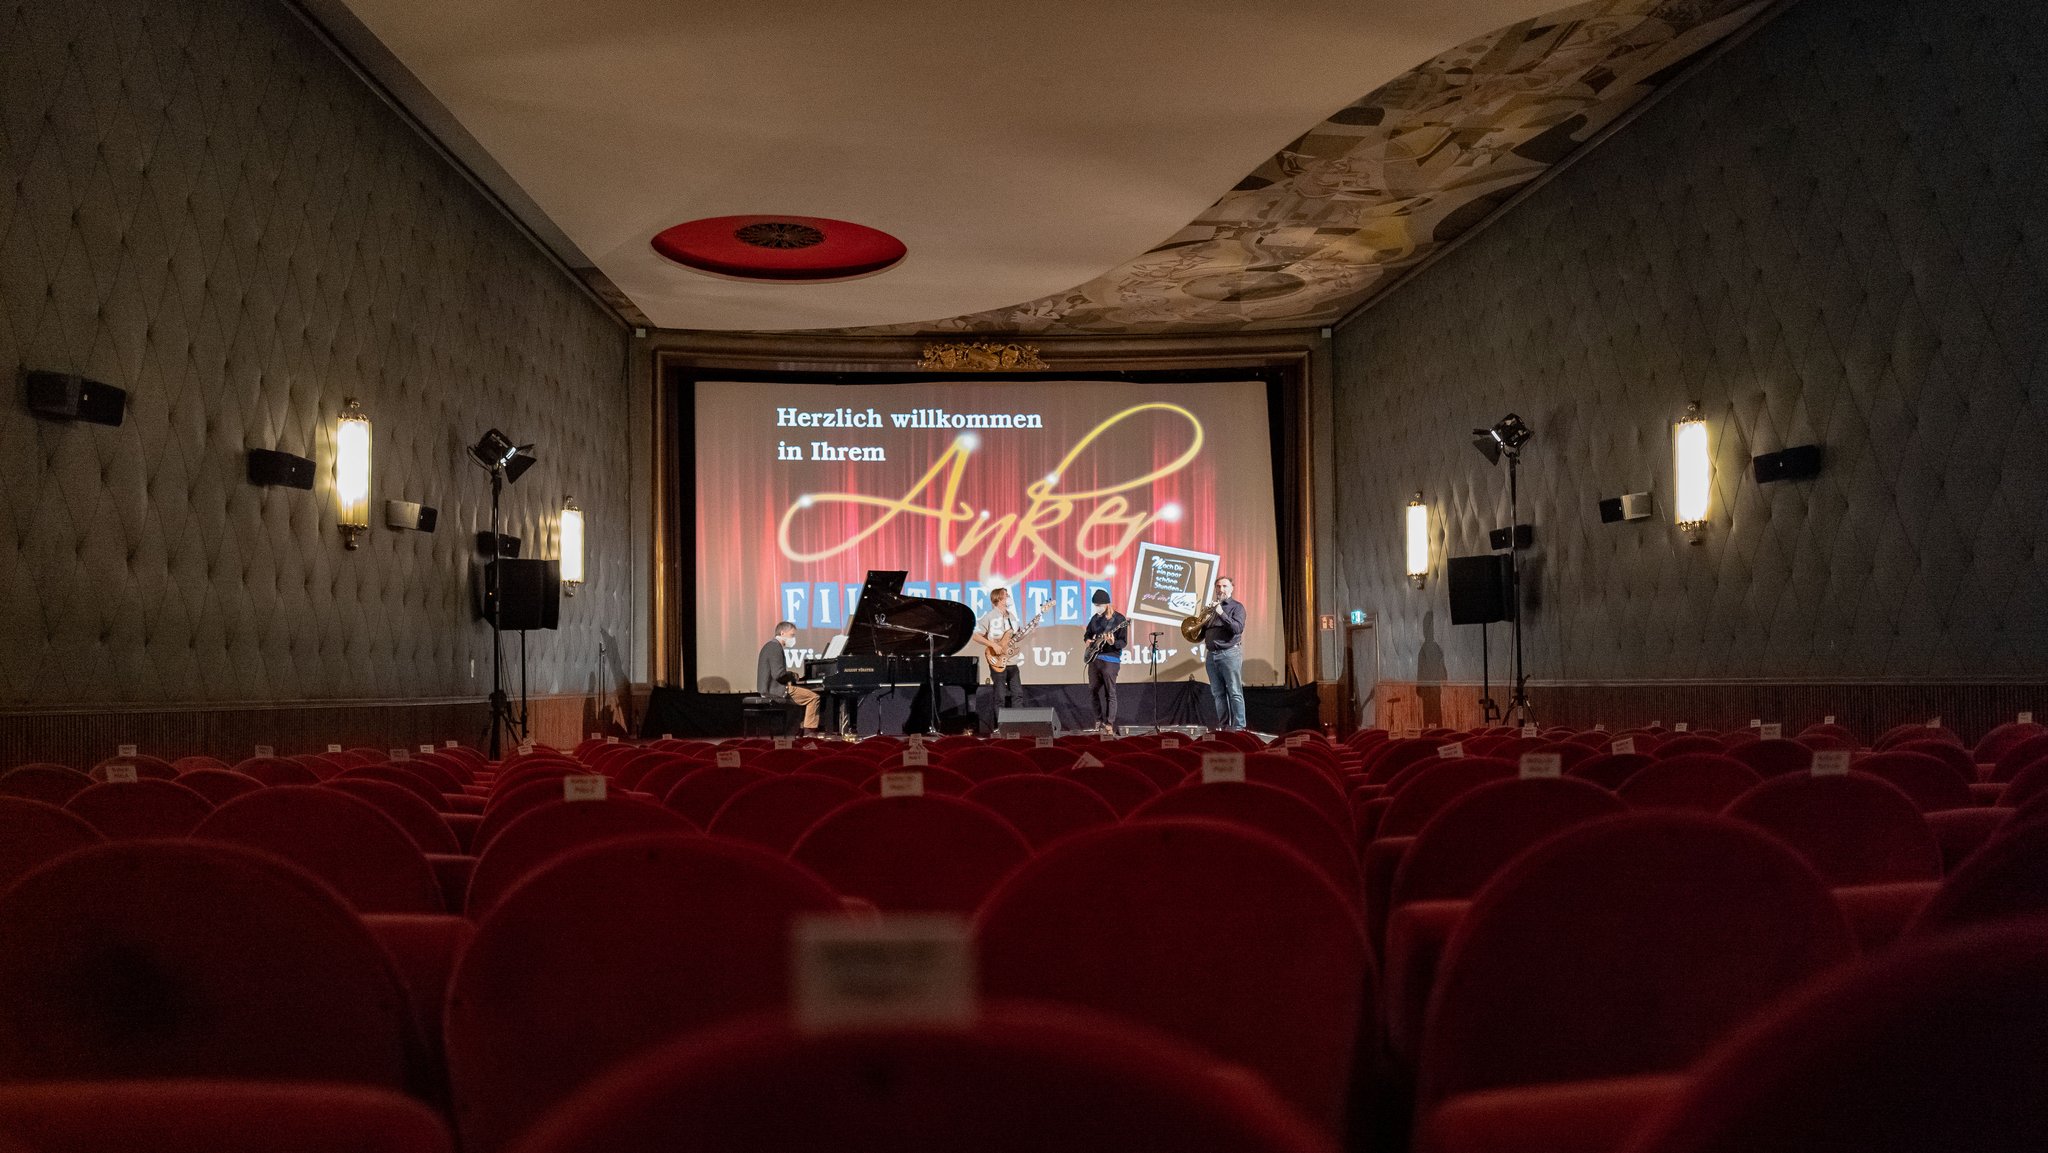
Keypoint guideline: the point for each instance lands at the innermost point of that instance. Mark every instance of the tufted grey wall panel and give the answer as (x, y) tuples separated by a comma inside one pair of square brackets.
[(206, 208), (1833, 235)]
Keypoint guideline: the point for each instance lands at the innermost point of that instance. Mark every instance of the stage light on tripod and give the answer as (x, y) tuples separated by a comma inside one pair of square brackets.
[(352, 473), (1507, 436), (1694, 468), (1418, 541), (572, 547), (494, 451)]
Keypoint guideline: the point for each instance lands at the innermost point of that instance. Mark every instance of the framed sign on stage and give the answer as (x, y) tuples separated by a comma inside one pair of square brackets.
[(1170, 583)]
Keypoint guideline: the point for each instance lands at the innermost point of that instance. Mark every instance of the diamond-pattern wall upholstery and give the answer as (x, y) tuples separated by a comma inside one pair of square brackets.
[(1833, 235), (206, 208)]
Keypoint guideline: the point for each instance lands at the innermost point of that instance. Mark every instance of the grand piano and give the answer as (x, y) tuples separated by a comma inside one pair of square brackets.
[(898, 642)]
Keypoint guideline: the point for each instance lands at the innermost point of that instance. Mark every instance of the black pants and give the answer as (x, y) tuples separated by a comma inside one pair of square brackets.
[(1102, 689), (1009, 693)]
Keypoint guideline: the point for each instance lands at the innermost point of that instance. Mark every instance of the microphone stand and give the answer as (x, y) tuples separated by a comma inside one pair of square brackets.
[(931, 667), (1152, 658)]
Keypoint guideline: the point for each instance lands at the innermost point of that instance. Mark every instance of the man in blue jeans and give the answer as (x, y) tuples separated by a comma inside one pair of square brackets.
[(1223, 655)]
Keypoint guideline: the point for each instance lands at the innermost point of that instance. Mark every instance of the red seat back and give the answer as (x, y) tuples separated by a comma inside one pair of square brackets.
[(218, 786), (1016, 1081), (1052, 758), (277, 771), (219, 1116), (849, 767), (2002, 738), (1623, 945), (146, 767), (1304, 778), (148, 807), (1438, 785), (1043, 808), (1185, 926), (1276, 812), (391, 774), (194, 959), (1774, 758), (1899, 734), (776, 812), (1854, 829), (703, 792), (937, 780), (2018, 757), (1703, 781), (2006, 878), (426, 827), (34, 832), (1472, 837), (1685, 743), (986, 762), (50, 784), (1122, 787), (1609, 770), (544, 834), (607, 952), (1932, 784), (343, 840), (913, 853), (1933, 1047)]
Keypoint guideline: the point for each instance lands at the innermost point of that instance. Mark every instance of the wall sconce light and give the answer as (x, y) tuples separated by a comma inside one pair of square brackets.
[(1418, 541), (352, 473), (572, 547), (1694, 470)]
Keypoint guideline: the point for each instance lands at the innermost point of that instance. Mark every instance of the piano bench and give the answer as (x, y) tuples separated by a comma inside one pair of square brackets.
[(762, 717)]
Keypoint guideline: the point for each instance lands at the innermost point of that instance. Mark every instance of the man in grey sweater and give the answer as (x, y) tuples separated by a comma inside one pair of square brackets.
[(772, 675)]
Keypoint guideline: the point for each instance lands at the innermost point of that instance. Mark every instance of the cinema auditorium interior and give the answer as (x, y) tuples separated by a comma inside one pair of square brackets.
[(1347, 576)]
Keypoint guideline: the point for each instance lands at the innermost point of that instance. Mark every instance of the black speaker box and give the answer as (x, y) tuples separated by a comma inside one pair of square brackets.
[(523, 594), (1524, 537), (411, 515), (505, 545), (267, 466), (1481, 590), (1796, 463), (68, 396)]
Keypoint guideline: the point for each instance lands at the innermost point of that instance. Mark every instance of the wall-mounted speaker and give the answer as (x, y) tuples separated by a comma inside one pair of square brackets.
[(523, 594), (1524, 537), (1481, 589), (1796, 463), (270, 467), (68, 396), (504, 544), (1627, 506), (411, 515)]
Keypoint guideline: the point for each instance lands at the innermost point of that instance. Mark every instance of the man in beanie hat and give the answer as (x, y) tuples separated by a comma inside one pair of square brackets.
[(1107, 633)]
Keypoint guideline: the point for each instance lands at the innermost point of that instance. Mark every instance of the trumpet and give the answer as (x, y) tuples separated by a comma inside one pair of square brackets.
[(1191, 626)]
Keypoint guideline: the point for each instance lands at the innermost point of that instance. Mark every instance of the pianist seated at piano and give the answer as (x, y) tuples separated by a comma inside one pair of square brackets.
[(775, 679)]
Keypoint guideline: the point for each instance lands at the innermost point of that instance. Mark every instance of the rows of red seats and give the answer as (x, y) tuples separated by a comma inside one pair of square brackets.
[(1351, 916)]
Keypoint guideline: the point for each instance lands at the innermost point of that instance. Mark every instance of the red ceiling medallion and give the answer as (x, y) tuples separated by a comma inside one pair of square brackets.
[(779, 247)]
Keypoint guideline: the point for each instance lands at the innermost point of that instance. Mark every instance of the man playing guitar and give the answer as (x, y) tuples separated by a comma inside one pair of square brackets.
[(1108, 632), (1002, 642)]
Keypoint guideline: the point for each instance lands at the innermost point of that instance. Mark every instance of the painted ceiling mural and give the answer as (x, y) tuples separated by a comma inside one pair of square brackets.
[(1378, 186)]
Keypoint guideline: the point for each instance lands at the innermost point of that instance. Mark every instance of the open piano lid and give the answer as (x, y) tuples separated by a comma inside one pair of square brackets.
[(881, 595)]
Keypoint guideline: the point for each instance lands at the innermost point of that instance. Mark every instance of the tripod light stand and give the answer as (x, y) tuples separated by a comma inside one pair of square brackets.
[(506, 462), (1505, 439)]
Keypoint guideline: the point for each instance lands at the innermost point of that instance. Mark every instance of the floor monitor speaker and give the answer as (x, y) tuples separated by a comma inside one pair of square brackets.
[(1481, 589)]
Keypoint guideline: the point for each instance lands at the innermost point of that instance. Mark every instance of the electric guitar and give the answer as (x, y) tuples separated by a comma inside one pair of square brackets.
[(1011, 644)]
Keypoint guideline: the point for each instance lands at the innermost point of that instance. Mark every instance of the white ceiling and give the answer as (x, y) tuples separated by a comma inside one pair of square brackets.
[(1017, 150)]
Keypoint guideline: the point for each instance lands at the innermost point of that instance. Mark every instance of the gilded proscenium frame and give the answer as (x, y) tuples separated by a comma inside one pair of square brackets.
[(672, 359)]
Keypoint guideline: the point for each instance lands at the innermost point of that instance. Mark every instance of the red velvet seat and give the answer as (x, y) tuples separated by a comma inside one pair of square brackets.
[(1774, 758), (776, 812), (1938, 1047), (343, 840), (277, 771), (2003, 739), (1163, 771), (198, 761), (1122, 787), (1305, 779), (1853, 829), (393, 775), (1702, 781), (1449, 861), (35, 832), (986, 762), (2006, 878), (1933, 784), (509, 805), (194, 959), (1622, 946), (128, 1116), (543, 834), (656, 774), (218, 786), (703, 792), (2030, 782), (1956, 757), (1043, 808), (146, 768), (938, 780), (427, 828), (928, 853), (2018, 757), (50, 784), (789, 760), (1570, 1117), (1398, 755), (1961, 832), (1293, 821), (1425, 794), (1687, 743), (149, 807), (1052, 758), (608, 952), (1899, 734), (1022, 1080), (1609, 770), (1218, 934), (847, 766)]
